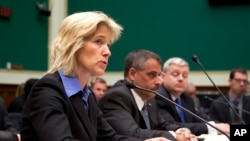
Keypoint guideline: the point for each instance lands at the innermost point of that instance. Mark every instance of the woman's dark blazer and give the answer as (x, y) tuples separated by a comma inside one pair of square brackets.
[(49, 115)]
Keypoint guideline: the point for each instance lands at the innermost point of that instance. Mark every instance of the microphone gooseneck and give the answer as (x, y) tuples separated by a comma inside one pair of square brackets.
[(196, 60), (131, 85), (134, 86)]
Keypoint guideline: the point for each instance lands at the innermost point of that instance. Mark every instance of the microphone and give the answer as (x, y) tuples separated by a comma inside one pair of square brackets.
[(196, 60), (211, 99), (134, 86)]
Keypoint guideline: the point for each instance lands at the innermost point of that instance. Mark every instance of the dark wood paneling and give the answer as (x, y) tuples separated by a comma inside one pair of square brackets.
[(8, 93), (211, 89)]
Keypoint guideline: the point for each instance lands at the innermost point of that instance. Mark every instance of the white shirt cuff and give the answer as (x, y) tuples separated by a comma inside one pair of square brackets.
[(211, 130), (172, 133)]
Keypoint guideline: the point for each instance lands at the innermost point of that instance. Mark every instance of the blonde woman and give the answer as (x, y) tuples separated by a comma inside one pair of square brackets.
[(61, 107)]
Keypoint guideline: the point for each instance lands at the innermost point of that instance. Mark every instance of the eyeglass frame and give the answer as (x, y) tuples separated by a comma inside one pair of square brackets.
[(238, 80)]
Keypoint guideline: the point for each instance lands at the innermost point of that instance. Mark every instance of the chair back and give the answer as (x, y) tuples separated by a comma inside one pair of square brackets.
[(16, 119)]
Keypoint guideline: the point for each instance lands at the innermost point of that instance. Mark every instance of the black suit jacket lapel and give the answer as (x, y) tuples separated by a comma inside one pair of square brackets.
[(173, 109), (92, 109), (138, 115), (224, 109), (153, 114), (245, 106), (78, 105)]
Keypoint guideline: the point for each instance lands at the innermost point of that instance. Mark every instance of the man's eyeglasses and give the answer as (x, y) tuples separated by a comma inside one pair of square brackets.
[(241, 80)]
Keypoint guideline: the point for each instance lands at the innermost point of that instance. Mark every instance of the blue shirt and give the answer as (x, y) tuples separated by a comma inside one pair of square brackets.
[(72, 87)]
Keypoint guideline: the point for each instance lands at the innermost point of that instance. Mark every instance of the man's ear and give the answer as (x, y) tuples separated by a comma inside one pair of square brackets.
[(230, 81), (131, 74), (162, 74)]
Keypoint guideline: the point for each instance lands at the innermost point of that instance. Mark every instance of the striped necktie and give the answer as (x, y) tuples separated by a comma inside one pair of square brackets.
[(144, 113)]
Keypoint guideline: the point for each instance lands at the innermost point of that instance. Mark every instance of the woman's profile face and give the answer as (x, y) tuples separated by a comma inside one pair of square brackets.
[(93, 56)]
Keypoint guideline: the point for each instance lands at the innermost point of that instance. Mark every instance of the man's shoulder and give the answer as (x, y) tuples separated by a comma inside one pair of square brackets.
[(247, 97), (116, 93)]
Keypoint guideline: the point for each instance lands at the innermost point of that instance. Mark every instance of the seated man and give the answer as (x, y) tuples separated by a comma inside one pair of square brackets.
[(219, 109), (191, 91), (134, 112), (5, 122), (175, 80), (99, 87)]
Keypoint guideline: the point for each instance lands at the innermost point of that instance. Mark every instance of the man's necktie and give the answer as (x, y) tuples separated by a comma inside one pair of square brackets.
[(235, 118), (144, 112), (180, 111)]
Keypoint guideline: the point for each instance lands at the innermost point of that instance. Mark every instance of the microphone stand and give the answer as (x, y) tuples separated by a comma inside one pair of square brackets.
[(132, 85), (195, 59)]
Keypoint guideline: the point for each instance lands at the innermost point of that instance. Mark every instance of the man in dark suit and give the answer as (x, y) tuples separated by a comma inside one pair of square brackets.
[(99, 86), (175, 81), (5, 122), (220, 111), (122, 107), (16, 106)]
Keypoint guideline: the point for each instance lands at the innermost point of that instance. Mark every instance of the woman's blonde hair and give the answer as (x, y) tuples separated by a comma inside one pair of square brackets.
[(75, 30)]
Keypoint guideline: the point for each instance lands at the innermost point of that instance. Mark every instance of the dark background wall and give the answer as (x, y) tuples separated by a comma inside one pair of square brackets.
[(219, 35)]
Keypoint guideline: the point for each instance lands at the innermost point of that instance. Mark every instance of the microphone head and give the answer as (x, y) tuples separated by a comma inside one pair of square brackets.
[(206, 97), (130, 84), (195, 58)]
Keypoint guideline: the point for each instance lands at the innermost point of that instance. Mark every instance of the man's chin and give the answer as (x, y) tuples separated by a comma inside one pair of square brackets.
[(151, 95)]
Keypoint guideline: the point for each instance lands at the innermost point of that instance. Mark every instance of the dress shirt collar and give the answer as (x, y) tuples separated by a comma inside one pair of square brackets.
[(72, 85), (240, 103), (239, 100), (138, 100), (173, 97)]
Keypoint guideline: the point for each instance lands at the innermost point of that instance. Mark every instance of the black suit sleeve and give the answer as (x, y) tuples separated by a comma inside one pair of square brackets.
[(106, 132)]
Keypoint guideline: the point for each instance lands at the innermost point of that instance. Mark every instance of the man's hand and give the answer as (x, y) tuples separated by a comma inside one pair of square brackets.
[(157, 139), (225, 127), (184, 135)]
